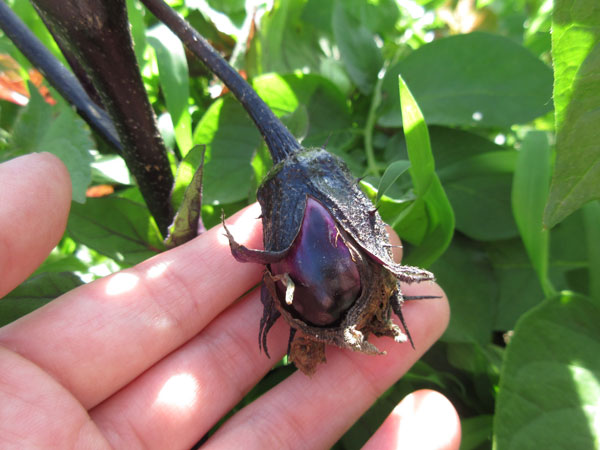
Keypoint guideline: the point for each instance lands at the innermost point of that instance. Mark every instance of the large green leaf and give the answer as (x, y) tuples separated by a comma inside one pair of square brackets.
[(478, 188), (550, 382), (576, 56), (55, 129), (475, 79), (116, 227), (35, 293), (231, 139)]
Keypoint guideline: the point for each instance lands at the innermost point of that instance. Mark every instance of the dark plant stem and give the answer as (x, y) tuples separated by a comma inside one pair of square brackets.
[(97, 34), (57, 75), (280, 141)]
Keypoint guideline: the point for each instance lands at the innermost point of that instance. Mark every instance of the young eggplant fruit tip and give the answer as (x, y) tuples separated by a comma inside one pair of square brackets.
[(329, 267)]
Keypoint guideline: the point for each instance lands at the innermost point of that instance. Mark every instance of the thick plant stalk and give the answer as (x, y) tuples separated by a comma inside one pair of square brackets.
[(279, 140), (57, 75), (97, 33)]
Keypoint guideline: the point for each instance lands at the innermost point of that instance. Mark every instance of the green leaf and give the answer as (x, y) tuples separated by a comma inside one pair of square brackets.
[(476, 432), (529, 194), (417, 141), (379, 16), (174, 80), (478, 188), (428, 188), (549, 385), (450, 148), (482, 362), (35, 293), (55, 129), (469, 282), (188, 220), (286, 42), (358, 50), (475, 79), (297, 122), (111, 169), (261, 164), (186, 171), (116, 227), (231, 139), (591, 216), (576, 57), (518, 287), (389, 177), (135, 12)]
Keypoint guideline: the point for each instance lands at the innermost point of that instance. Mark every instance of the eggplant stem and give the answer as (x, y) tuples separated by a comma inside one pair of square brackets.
[(279, 140)]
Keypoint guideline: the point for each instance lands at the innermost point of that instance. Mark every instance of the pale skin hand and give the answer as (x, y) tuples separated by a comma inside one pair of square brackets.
[(154, 356)]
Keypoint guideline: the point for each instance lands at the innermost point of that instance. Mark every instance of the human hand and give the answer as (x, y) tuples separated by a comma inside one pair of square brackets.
[(155, 355)]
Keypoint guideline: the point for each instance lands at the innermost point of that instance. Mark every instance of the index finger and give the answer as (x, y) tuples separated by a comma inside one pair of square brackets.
[(97, 338)]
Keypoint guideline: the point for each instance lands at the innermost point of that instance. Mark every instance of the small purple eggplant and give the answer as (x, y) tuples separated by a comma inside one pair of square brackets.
[(329, 267)]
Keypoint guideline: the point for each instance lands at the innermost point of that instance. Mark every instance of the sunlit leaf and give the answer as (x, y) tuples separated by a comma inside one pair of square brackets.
[(428, 188), (576, 56)]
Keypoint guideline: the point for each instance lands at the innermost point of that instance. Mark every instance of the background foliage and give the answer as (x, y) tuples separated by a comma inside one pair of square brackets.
[(498, 194)]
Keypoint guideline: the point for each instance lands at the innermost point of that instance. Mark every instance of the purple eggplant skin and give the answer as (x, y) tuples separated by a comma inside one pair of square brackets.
[(320, 271), (315, 177)]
